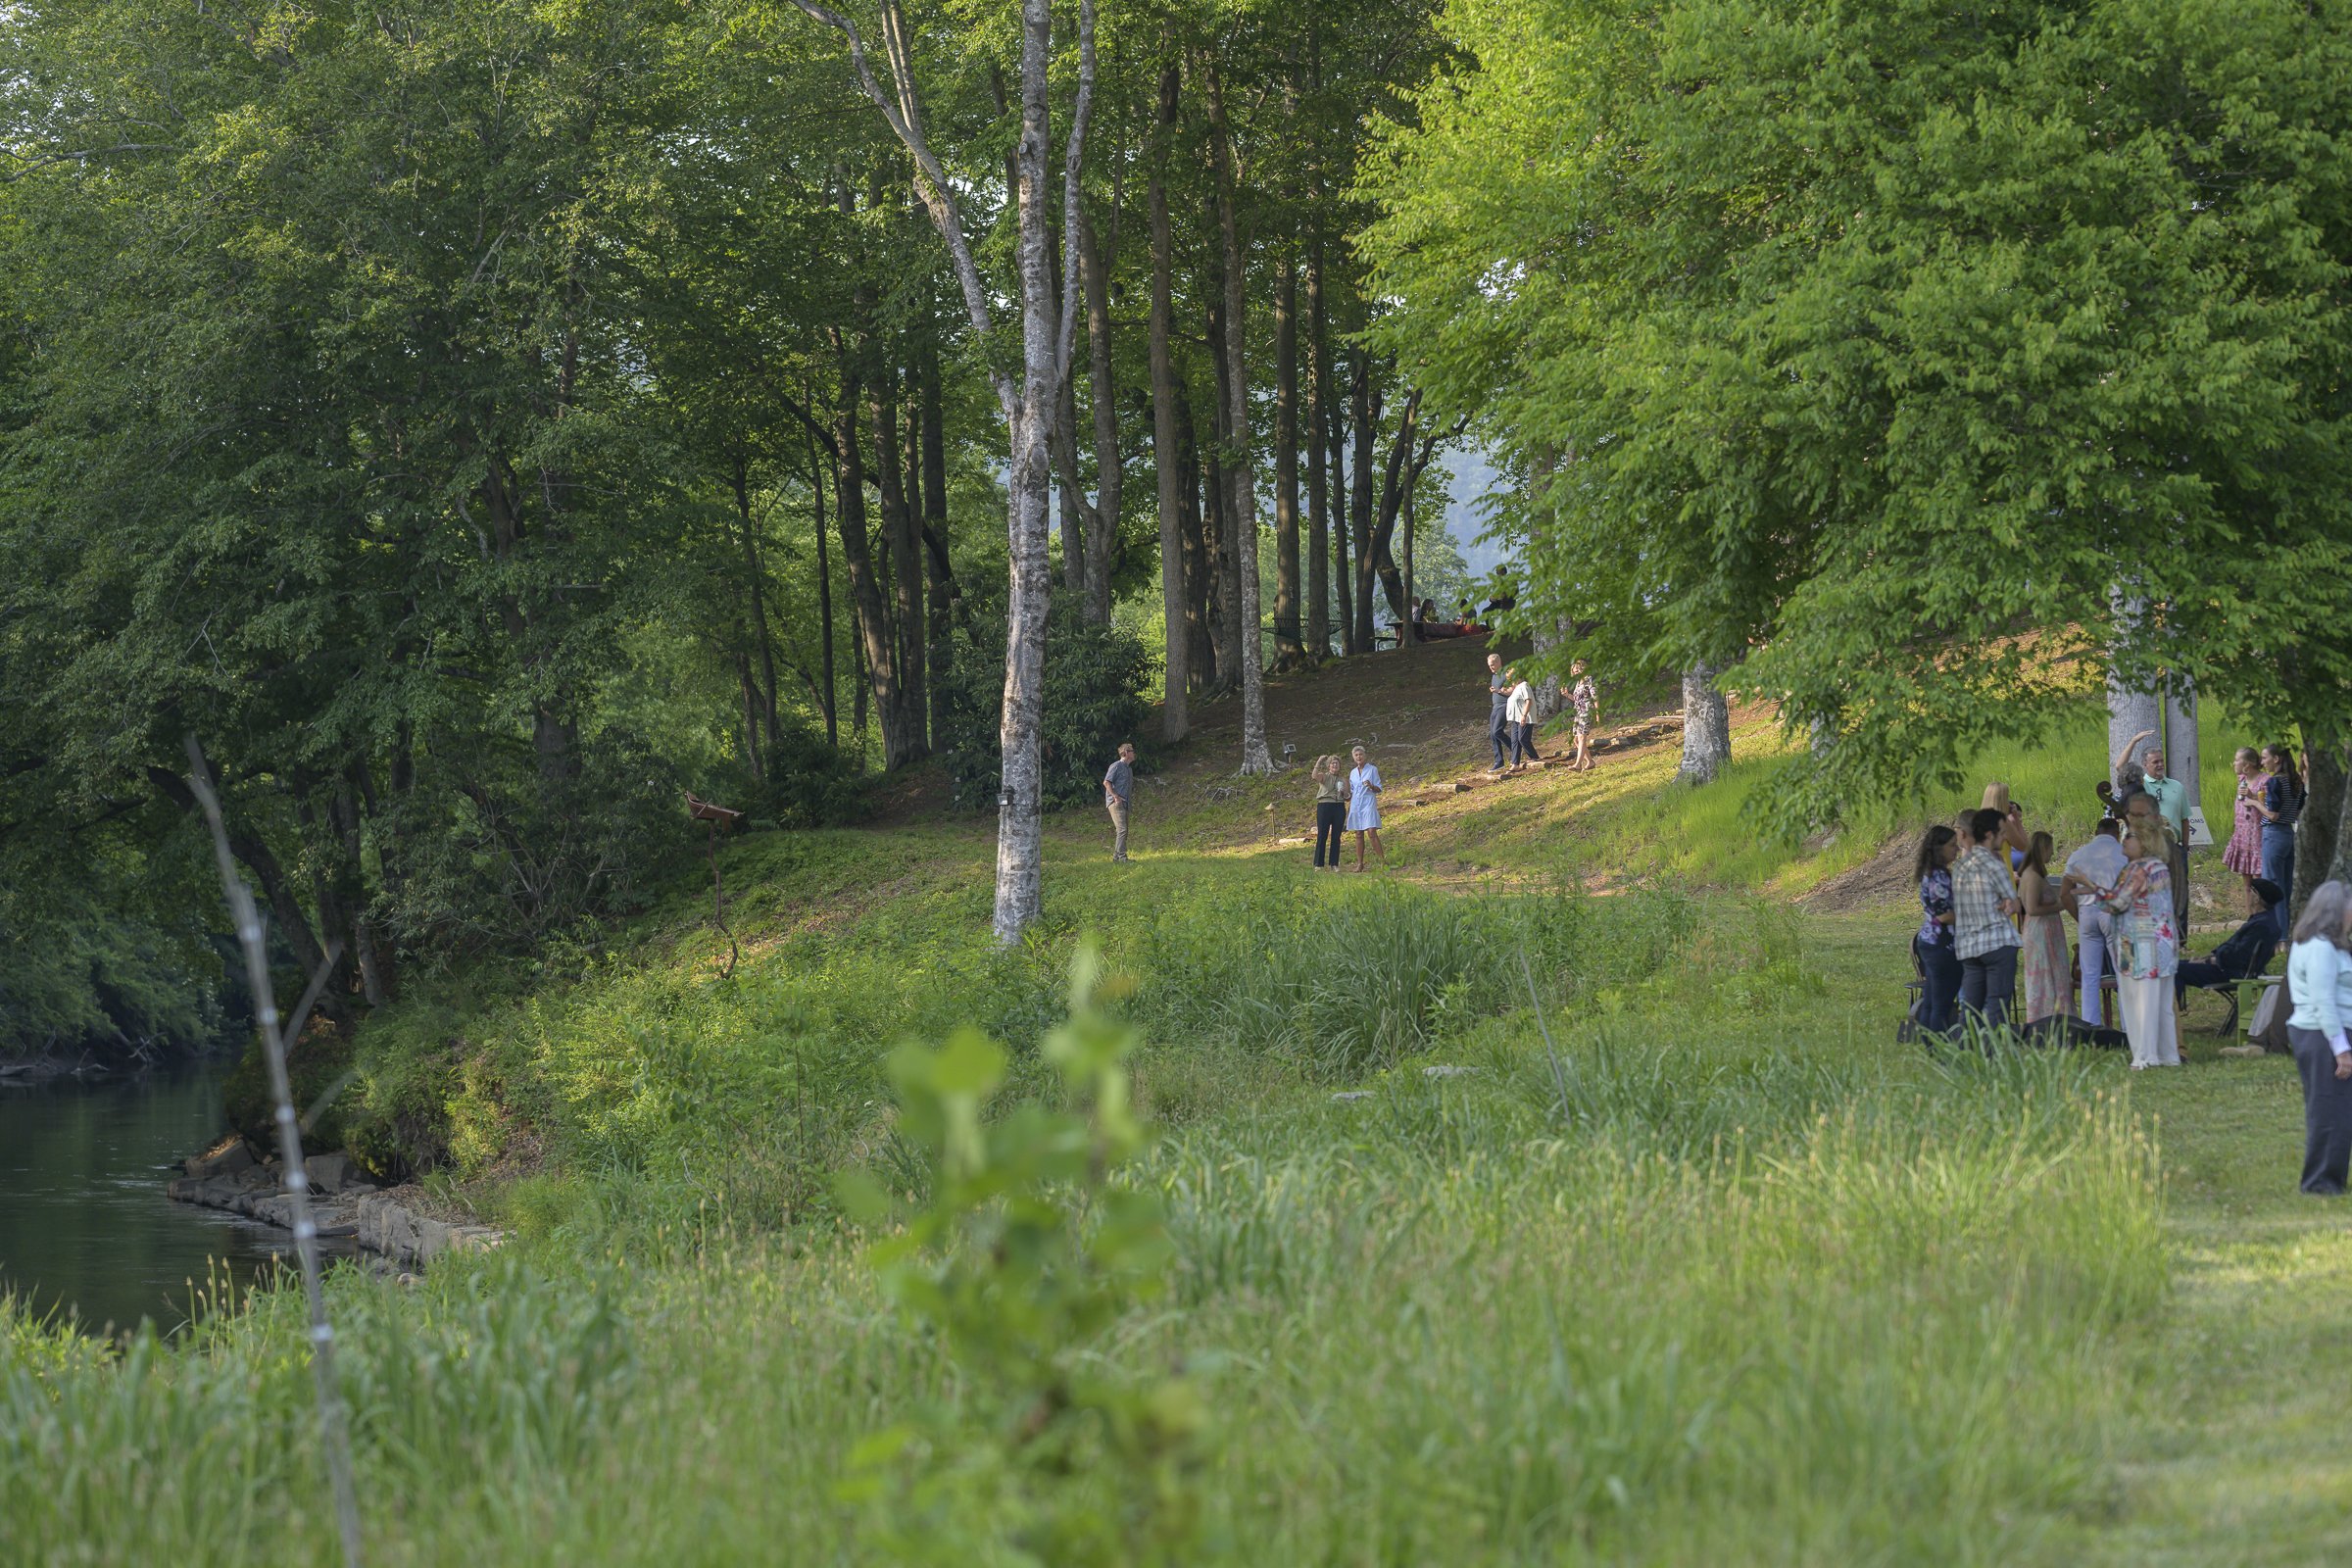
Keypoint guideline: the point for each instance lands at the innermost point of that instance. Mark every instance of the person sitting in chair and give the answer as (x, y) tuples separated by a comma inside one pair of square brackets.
[(2246, 953)]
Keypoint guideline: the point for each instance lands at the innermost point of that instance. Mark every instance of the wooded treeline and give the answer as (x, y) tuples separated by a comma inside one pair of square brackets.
[(480, 423), (1907, 367)]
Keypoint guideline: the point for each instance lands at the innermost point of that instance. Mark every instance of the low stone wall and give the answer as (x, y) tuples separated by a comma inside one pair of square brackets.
[(392, 1222)]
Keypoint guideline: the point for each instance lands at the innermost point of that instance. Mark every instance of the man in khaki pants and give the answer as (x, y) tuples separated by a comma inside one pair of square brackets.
[(1118, 788)]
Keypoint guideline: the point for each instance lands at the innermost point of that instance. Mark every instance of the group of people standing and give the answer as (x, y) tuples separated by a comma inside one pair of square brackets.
[(2262, 836), (1991, 945), (1511, 710)]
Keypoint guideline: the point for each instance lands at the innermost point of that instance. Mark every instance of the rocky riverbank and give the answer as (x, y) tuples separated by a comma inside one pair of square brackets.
[(397, 1222)]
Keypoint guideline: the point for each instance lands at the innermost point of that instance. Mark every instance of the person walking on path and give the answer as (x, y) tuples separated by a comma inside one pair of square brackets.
[(1938, 965), (1118, 789), (1518, 711), (2147, 948), (1984, 906), (2043, 968), (2282, 805), (1331, 811), (1583, 699), (1498, 695), (2091, 870), (1364, 807), (2318, 980), (2244, 853)]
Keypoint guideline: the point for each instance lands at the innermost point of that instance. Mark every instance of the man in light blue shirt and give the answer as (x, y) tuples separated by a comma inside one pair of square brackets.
[(2172, 796)]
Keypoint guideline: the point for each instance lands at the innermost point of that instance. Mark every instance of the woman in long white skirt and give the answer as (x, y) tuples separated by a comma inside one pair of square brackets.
[(2147, 948)]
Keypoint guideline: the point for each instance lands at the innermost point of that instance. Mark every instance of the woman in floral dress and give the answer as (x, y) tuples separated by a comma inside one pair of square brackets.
[(2146, 946), (2244, 853)]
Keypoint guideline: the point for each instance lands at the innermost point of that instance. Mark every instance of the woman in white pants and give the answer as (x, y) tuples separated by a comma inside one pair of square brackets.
[(2147, 949)]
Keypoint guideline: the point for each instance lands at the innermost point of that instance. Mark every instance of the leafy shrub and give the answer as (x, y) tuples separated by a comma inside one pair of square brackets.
[(1095, 679)]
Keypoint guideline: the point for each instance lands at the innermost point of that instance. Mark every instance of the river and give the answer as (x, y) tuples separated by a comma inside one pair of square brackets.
[(84, 1225)]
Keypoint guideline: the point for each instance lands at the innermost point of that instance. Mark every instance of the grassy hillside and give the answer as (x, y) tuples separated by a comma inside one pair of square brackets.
[(1695, 1266)]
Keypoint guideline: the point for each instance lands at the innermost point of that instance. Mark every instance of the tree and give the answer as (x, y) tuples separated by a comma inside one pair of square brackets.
[(1892, 343), (1030, 404)]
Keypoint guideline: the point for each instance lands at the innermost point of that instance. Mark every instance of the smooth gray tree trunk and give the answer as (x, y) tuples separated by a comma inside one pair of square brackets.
[(1706, 727), (1029, 404), (2182, 756), (1255, 756)]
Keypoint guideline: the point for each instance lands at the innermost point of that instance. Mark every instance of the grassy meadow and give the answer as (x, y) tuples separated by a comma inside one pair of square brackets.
[(1692, 1264)]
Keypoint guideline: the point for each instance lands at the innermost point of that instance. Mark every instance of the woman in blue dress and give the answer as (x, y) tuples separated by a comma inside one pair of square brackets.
[(1364, 807), (2281, 804)]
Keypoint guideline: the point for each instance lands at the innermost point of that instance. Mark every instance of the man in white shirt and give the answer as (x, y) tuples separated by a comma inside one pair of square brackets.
[(2097, 863), (1518, 710)]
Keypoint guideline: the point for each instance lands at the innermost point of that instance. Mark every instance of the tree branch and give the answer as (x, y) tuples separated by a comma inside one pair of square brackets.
[(937, 194)]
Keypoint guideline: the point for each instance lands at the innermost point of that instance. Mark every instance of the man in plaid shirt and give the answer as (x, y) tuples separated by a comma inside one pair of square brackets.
[(1983, 933)]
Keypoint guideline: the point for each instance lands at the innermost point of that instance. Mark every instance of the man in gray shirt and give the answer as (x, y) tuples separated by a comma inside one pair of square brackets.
[(1118, 788), (1498, 695)]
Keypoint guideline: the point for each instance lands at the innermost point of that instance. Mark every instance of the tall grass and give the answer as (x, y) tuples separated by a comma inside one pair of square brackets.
[(1824, 1309)]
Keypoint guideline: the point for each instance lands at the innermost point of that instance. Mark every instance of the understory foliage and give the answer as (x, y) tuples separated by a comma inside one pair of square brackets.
[(1026, 1244), (1095, 682)]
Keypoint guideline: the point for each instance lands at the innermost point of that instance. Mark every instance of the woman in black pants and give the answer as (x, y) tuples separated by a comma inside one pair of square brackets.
[(2319, 981), (1331, 809), (1939, 961)]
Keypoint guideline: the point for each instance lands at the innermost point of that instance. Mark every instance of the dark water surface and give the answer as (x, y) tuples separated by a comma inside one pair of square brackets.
[(84, 1225)]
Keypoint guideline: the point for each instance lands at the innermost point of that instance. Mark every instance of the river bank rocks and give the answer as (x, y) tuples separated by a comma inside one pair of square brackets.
[(400, 1223)]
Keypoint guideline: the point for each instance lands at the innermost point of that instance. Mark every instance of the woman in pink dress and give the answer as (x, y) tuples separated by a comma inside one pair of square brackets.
[(2243, 854), (2044, 976)]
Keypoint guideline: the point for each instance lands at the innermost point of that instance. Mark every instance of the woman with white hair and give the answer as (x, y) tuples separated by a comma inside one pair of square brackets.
[(2147, 946), (2319, 977)]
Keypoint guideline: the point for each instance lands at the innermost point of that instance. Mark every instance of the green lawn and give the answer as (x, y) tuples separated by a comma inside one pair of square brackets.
[(1738, 1279)]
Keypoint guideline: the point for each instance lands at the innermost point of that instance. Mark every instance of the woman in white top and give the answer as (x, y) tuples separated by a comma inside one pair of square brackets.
[(1364, 807), (2319, 977)]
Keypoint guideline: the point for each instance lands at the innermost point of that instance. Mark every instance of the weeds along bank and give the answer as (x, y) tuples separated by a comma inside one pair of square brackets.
[(1719, 1276), (652, 1086)]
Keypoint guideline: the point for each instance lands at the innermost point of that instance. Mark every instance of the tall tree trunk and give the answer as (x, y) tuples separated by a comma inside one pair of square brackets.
[(903, 529), (1318, 517), (1343, 579), (2323, 847), (2184, 759), (824, 598), (2130, 712), (1289, 650), (1366, 400), (1549, 631), (1412, 614), (865, 589), (1199, 559), (1102, 517), (1020, 825), (1396, 483), (940, 588), (1225, 591), (1255, 756), (756, 575), (1166, 455), (1706, 727)]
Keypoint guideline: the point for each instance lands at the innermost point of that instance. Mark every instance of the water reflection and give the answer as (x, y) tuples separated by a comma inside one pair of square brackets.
[(85, 1226)]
